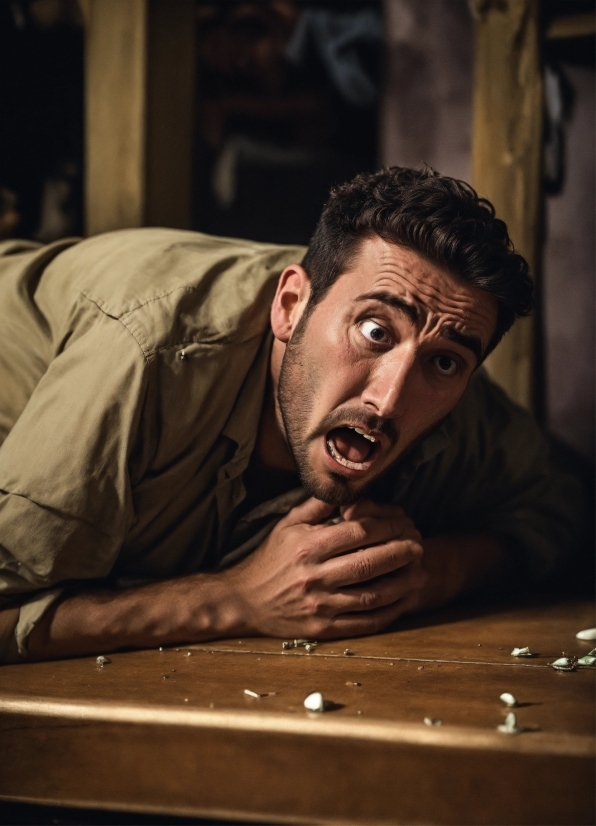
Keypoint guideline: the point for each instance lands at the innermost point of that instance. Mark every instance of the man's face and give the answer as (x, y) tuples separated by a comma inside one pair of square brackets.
[(378, 364)]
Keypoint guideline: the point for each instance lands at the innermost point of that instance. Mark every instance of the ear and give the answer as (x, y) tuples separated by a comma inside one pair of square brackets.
[(291, 297)]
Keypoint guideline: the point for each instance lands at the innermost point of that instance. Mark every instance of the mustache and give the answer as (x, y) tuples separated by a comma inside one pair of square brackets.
[(357, 418)]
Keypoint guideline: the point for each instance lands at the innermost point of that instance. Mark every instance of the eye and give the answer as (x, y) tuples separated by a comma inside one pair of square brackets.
[(446, 365), (374, 332)]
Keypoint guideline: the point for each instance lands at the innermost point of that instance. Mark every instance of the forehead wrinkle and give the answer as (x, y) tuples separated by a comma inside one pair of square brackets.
[(408, 274), (430, 299), (430, 315), (420, 273)]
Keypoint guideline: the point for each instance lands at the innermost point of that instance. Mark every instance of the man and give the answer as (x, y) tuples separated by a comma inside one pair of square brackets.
[(204, 438)]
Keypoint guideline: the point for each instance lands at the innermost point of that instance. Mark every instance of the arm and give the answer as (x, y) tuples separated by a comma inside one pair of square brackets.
[(306, 580)]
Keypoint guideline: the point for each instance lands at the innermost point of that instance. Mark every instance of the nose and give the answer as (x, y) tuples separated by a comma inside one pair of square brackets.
[(390, 383)]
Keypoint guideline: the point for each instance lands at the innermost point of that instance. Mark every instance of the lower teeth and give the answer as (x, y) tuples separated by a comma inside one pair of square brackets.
[(340, 459)]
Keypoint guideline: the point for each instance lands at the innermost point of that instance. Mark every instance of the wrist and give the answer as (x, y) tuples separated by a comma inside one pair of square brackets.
[(217, 608)]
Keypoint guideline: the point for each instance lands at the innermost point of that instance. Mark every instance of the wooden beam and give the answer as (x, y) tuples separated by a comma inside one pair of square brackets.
[(573, 25), (139, 113), (507, 154)]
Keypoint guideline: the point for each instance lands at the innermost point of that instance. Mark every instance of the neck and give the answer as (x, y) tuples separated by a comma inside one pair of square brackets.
[(271, 447)]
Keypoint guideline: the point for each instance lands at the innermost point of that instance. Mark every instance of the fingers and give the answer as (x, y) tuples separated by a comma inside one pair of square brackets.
[(381, 592), (369, 622), (400, 523), (311, 512), (335, 540), (369, 563)]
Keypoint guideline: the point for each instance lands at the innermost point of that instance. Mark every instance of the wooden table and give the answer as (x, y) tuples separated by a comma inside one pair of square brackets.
[(172, 731)]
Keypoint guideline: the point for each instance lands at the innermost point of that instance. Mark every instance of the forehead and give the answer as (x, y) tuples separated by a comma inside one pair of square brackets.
[(381, 266)]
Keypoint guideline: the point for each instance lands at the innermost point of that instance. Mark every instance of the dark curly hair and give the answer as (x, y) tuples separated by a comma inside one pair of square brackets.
[(441, 218)]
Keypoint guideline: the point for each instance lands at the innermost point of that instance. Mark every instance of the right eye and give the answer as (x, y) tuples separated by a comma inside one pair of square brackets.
[(374, 332)]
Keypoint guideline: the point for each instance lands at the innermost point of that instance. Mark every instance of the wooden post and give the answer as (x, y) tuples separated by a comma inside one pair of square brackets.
[(507, 155), (139, 112)]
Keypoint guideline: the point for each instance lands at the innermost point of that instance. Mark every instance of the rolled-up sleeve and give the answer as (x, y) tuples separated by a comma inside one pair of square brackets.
[(65, 492)]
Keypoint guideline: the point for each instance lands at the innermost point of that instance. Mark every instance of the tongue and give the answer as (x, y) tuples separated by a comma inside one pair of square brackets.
[(350, 445)]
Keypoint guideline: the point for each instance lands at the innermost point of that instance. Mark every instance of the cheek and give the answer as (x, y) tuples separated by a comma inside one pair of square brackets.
[(340, 380), (334, 351)]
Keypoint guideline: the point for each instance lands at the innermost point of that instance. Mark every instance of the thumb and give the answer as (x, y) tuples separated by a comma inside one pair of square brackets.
[(311, 512)]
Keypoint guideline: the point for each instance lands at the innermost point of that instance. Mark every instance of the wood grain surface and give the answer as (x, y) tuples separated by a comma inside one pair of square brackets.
[(162, 731), (474, 633)]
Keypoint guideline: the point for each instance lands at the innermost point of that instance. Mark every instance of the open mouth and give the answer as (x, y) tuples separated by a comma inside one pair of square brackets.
[(352, 447)]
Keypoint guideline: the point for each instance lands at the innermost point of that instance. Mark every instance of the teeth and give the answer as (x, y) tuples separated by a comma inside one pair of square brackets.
[(362, 433), (340, 459)]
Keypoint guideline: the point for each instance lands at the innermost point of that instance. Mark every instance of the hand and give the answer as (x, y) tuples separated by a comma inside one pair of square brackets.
[(315, 580)]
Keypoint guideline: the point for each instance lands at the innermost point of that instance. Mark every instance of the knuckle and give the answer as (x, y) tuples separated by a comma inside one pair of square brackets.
[(357, 532), (305, 583), (368, 600), (403, 551), (302, 554), (395, 553), (415, 548), (318, 608), (362, 569)]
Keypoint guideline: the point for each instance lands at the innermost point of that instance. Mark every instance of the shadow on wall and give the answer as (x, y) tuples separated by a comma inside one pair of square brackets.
[(287, 105)]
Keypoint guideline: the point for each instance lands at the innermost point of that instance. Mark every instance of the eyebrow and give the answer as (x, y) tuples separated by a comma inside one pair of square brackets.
[(393, 301), (472, 343)]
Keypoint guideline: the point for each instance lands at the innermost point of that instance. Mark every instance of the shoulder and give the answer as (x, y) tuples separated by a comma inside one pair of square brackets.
[(486, 422), (173, 286), (486, 403)]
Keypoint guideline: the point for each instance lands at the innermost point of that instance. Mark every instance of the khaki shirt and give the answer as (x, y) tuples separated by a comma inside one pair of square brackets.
[(133, 368)]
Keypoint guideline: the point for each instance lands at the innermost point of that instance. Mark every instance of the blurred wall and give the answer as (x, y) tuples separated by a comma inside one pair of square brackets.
[(568, 277), (426, 109), (427, 116)]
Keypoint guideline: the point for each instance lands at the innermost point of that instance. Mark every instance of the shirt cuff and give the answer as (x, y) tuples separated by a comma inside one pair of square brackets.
[(14, 649)]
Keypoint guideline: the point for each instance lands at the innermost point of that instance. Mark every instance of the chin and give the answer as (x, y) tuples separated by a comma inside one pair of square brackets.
[(336, 490)]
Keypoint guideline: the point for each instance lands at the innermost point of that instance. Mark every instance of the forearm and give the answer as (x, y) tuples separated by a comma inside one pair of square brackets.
[(191, 609), (460, 564)]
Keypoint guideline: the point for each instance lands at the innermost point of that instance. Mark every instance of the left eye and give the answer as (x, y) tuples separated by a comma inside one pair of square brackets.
[(374, 332), (446, 365)]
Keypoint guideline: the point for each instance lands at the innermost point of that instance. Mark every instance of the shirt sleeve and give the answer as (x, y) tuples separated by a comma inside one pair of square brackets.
[(65, 491)]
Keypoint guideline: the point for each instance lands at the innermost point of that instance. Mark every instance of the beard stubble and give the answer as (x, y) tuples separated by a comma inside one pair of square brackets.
[(296, 392)]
